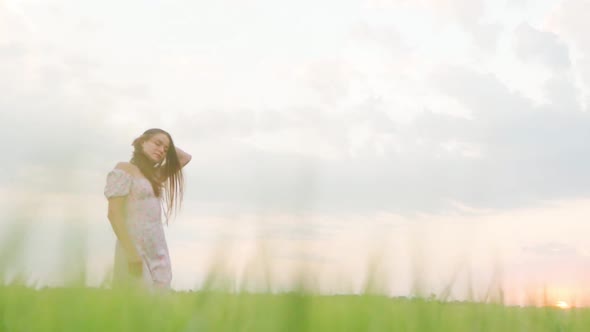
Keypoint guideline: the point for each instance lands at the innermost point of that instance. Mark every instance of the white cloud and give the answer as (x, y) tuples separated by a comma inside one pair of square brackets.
[(552, 249), (545, 47), (570, 23), (569, 20), (350, 128)]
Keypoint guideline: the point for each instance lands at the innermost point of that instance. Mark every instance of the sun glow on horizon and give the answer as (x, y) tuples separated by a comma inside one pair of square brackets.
[(562, 305)]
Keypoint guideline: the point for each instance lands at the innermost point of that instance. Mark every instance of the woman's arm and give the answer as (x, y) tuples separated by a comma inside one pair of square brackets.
[(183, 157), (116, 216)]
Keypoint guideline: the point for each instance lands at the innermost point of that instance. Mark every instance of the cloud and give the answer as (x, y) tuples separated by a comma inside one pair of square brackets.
[(468, 16), (468, 12), (57, 109), (509, 152), (552, 249), (385, 37), (531, 152), (14, 20), (338, 147), (544, 47), (563, 92), (570, 23)]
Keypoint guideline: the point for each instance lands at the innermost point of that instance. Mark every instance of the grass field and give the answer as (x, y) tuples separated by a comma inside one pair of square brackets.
[(93, 309)]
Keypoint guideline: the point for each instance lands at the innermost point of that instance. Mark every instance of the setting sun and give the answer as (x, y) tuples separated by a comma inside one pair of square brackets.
[(562, 305)]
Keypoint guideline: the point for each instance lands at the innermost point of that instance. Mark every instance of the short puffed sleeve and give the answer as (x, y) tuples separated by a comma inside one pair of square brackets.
[(118, 183)]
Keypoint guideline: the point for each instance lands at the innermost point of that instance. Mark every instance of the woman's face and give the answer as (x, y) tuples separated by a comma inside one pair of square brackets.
[(156, 147)]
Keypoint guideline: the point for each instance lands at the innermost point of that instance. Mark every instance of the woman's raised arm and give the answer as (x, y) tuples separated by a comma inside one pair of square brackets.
[(183, 157)]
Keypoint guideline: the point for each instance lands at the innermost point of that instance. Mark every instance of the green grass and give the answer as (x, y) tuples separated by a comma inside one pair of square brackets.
[(88, 309)]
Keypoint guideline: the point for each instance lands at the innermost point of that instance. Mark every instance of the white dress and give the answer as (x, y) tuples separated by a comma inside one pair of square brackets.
[(144, 223)]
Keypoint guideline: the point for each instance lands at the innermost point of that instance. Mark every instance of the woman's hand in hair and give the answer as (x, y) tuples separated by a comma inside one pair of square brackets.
[(183, 157)]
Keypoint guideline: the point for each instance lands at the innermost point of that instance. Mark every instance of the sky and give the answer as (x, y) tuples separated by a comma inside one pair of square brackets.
[(440, 142)]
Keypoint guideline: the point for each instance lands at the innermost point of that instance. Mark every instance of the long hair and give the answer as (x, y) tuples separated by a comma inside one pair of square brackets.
[(166, 176)]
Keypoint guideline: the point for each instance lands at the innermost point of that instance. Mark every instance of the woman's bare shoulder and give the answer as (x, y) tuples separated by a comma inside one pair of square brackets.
[(128, 167)]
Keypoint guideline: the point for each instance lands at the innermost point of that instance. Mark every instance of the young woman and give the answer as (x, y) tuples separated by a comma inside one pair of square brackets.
[(137, 190)]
